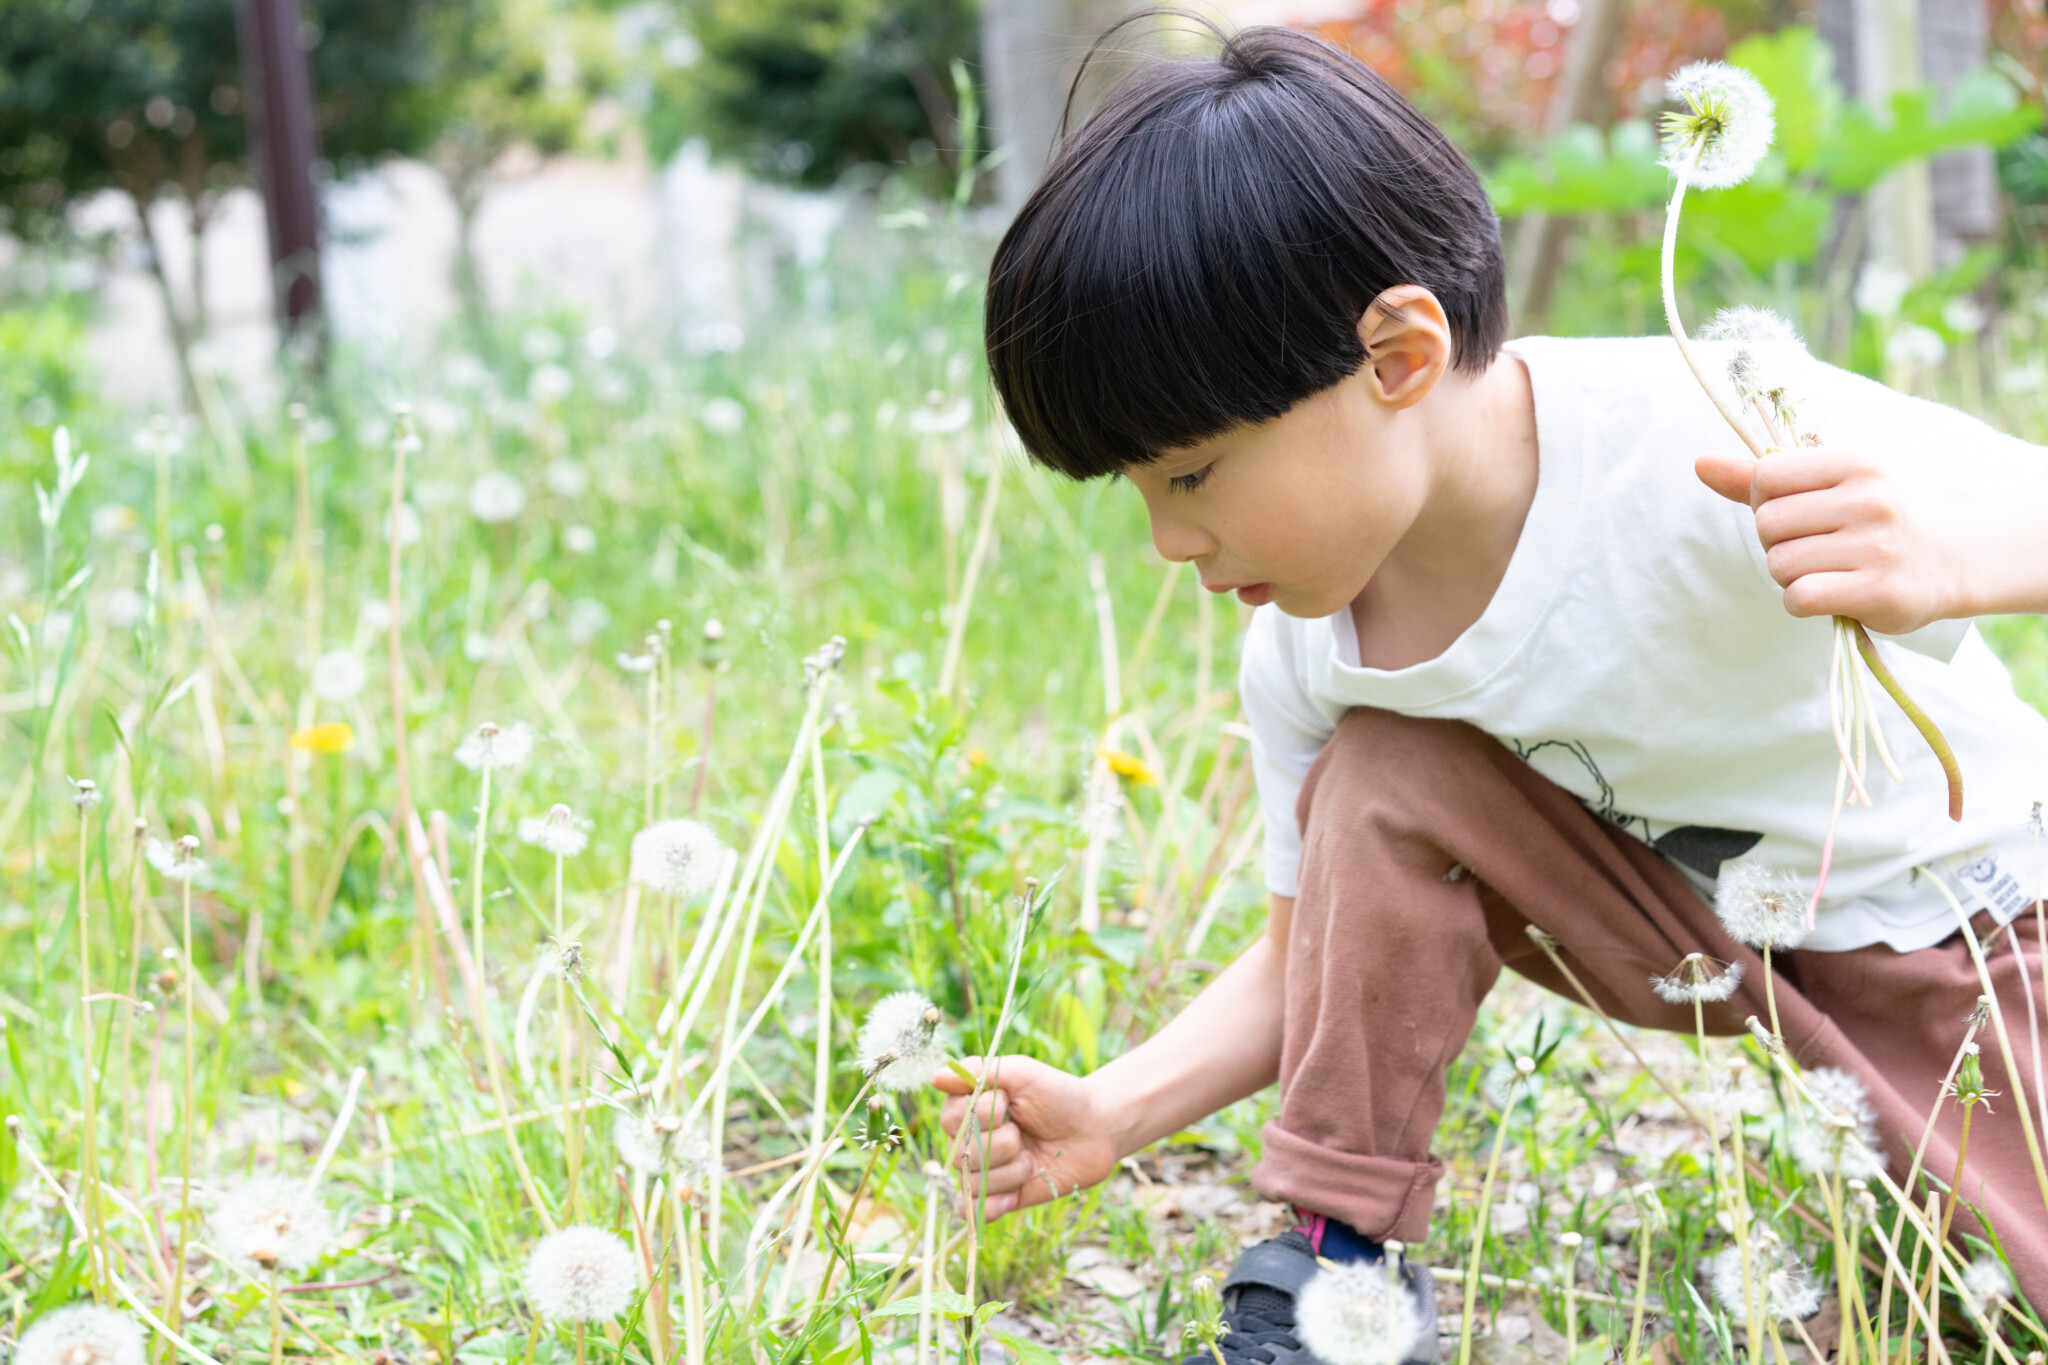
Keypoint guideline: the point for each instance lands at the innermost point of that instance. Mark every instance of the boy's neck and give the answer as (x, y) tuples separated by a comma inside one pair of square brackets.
[(1481, 450)]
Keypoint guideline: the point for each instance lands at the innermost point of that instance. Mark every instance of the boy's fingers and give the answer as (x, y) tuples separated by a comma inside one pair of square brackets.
[(1728, 475), (993, 1111), (1005, 1179), (1000, 1146)]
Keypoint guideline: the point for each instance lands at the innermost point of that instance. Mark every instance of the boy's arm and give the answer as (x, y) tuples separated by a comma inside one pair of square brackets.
[(1844, 537), (1049, 1132)]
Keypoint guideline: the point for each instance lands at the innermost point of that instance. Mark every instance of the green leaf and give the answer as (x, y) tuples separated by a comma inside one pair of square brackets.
[(987, 1311), (1594, 1352), (1983, 109), (1797, 69), (946, 1302), (1030, 1352), (1584, 171)]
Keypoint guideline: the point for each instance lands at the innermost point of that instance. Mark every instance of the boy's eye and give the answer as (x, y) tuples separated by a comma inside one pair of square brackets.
[(1188, 483)]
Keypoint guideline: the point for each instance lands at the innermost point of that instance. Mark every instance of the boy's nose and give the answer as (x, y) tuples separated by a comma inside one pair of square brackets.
[(1179, 542)]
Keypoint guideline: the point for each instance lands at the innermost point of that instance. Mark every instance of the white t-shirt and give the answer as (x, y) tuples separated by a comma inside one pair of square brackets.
[(1638, 653)]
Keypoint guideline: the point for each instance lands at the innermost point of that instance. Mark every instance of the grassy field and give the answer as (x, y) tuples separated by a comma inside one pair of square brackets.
[(311, 1035)]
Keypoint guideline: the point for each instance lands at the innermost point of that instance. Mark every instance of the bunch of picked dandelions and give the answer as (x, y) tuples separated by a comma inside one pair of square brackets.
[(1715, 141)]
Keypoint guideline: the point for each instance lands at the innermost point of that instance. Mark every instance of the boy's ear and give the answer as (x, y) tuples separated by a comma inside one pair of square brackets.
[(1407, 343)]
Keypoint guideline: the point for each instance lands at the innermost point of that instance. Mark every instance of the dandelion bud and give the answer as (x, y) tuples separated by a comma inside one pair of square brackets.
[(1525, 1066), (582, 1274), (83, 1334), (1764, 1037), (1571, 1241), (899, 1042), (1542, 938), (714, 631)]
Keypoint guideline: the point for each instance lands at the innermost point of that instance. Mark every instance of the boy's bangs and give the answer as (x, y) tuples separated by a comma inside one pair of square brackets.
[(1199, 256)]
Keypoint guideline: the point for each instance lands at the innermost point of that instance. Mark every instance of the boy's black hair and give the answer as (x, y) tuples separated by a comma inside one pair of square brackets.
[(1199, 254)]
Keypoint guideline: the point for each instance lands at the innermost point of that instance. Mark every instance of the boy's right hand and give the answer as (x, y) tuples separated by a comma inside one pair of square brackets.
[(1041, 1134)]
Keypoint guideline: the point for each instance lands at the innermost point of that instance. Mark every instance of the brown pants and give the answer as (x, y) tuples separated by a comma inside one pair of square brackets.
[(1388, 962)]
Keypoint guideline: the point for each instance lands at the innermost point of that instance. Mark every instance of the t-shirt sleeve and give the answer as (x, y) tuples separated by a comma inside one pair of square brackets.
[(1288, 731), (1944, 456)]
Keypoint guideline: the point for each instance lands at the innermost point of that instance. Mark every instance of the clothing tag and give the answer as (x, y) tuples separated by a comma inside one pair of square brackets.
[(1983, 880)]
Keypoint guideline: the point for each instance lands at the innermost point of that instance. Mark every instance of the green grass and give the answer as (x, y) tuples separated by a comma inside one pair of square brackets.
[(821, 514)]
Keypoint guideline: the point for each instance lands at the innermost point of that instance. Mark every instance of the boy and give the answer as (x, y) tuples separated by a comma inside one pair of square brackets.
[(1512, 666)]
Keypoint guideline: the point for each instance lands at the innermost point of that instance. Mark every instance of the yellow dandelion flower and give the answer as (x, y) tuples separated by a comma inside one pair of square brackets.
[(976, 757), (1131, 766), (329, 737)]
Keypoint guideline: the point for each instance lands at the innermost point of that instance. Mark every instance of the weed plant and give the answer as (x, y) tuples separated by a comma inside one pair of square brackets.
[(513, 781)]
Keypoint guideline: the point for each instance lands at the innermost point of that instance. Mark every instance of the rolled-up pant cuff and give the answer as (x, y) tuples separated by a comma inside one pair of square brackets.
[(1382, 1197)]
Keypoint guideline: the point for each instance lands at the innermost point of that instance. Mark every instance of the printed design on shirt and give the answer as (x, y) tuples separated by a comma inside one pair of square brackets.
[(1703, 848), (1994, 887)]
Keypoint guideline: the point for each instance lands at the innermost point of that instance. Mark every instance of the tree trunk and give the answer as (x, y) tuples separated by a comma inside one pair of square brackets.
[(174, 322), (1581, 97)]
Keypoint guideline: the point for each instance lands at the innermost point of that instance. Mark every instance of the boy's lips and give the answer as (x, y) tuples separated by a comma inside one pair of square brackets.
[(1251, 594)]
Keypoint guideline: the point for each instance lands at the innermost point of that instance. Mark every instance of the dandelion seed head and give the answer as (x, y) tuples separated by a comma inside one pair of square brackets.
[(491, 746), (1727, 123), (83, 1334), (676, 858), (1840, 1092), (1752, 326), (899, 1042), (178, 860), (1698, 978), (1760, 907), (1783, 1285), (338, 675), (1881, 289), (1352, 1313), (558, 832), (85, 793), (1985, 1284), (496, 497), (665, 1145), (274, 1221), (582, 1274)]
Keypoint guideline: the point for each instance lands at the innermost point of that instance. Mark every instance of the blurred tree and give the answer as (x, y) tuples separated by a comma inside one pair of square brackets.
[(144, 97), (513, 74), (806, 90)]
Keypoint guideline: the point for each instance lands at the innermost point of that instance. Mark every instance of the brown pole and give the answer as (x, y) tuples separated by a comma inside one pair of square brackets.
[(282, 137)]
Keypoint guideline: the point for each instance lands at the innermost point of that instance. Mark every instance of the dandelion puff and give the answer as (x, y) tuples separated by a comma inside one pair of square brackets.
[(1352, 1313), (676, 858), (1781, 1282), (84, 1334), (338, 675), (665, 1145), (899, 1042), (558, 832), (1840, 1092), (1698, 978), (496, 496), (582, 1274), (1761, 907), (1985, 1284), (274, 1221), (1753, 326), (1727, 124), (492, 746), (1838, 1145), (179, 860)]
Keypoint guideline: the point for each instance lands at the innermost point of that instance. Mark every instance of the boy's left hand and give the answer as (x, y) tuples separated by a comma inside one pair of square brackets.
[(1842, 537)]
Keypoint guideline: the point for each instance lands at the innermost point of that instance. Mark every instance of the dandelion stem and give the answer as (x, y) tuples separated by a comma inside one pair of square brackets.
[(1922, 722), (1500, 1135), (88, 1084), (1635, 1326), (483, 1018), (1670, 280), (188, 967)]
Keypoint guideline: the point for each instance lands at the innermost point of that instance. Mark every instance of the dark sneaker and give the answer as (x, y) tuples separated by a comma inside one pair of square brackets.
[(1258, 1306)]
